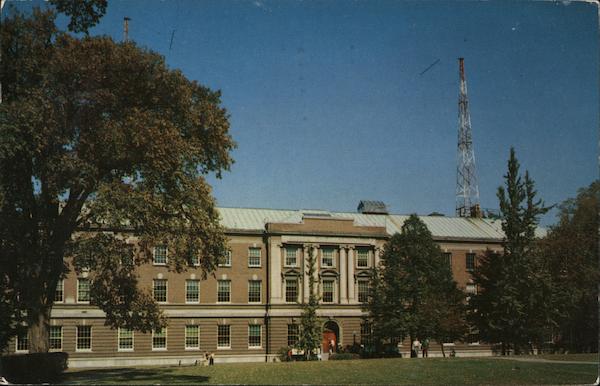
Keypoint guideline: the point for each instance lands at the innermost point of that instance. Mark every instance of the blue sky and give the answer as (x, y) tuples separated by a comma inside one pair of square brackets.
[(328, 105)]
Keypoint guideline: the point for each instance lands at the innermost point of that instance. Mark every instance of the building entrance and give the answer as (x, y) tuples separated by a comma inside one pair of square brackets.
[(331, 333)]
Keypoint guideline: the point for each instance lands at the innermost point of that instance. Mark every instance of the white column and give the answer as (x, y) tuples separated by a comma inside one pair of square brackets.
[(316, 273), (304, 267), (343, 276), (275, 273), (377, 256), (351, 264)]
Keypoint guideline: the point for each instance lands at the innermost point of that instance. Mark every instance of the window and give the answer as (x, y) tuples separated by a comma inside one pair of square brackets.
[(83, 290), (55, 337), (471, 289), (327, 257), (448, 258), (192, 337), (224, 291), (291, 256), (254, 290), (192, 291), (22, 341), (160, 255), (254, 335), (366, 337), (362, 257), (473, 337), (225, 261), (328, 291), (125, 339), (195, 260), (160, 290), (223, 336), (363, 291), (159, 339), (470, 261), (60, 291), (292, 336), (254, 257), (291, 290), (84, 338)]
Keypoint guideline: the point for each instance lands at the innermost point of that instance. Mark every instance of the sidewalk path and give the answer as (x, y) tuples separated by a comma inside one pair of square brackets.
[(541, 360)]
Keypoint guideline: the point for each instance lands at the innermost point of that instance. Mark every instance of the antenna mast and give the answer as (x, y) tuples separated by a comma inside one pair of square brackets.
[(467, 190), (126, 28)]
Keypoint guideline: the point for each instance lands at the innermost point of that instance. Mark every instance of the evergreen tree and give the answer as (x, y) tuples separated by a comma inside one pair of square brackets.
[(413, 292), (512, 304), (310, 324), (571, 250)]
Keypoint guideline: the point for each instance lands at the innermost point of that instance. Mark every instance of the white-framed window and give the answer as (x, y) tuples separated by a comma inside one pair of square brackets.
[(254, 291), (159, 290), (327, 257), (254, 336), (159, 339), (59, 294), (160, 255), (291, 256), (125, 338), (195, 260), (448, 258), (253, 257), (328, 295), (84, 338), (293, 334), (22, 344), (470, 261), (192, 291), (223, 291), (83, 290), (55, 337), (473, 337), (192, 337), (471, 288), (363, 291), (223, 336), (362, 257), (366, 333), (225, 261), (291, 290)]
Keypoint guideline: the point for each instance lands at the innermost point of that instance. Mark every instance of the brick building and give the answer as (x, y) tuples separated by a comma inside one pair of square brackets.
[(250, 308)]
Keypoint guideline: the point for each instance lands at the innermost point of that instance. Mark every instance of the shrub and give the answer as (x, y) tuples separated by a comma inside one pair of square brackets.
[(282, 354), (34, 368), (343, 356)]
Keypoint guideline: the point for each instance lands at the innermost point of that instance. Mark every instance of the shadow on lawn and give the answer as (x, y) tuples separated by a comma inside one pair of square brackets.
[(127, 375)]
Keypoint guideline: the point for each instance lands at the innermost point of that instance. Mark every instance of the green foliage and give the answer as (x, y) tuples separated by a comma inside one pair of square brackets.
[(310, 324), (96, 137), (412, 292), (84, 14), (512, 306), (571, 250)]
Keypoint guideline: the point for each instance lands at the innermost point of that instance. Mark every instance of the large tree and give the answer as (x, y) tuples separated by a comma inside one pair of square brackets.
[(413, 292), (310, 324), (512, 306), (104, 152), (571, 250)]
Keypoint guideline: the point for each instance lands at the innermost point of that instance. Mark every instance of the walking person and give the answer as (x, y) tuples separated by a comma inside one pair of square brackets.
[(416, 347)]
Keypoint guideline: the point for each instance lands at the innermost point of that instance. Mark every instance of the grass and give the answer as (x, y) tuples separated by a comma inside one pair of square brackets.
[(373, 371), (592, 357)]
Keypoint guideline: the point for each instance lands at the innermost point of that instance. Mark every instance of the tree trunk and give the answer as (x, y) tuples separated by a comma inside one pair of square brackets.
[(442, 347), (38, 331)]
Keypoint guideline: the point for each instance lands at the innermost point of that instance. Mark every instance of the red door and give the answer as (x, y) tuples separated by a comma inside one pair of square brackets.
[(328, 336)]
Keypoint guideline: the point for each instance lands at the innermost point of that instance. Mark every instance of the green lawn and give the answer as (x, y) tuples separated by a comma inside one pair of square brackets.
[(374, 371), (569, 357)]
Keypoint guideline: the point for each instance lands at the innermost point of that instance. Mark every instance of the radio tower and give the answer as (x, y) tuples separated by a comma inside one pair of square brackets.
[(467, 190)]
